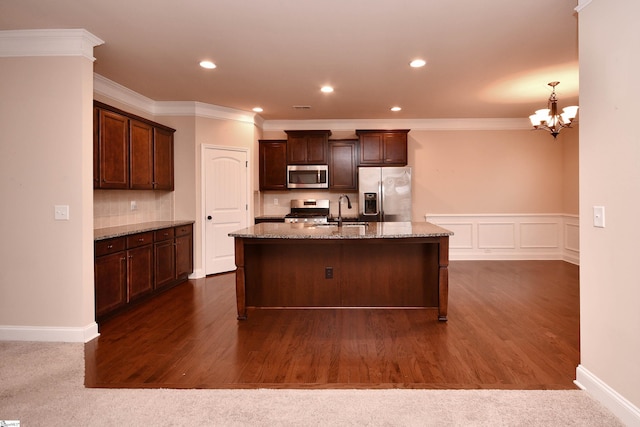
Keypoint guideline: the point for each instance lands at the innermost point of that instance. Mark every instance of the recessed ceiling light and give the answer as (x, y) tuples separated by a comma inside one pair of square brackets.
[(417, 63), (258, 110), (207, 64), (326, 89), (395, 108)]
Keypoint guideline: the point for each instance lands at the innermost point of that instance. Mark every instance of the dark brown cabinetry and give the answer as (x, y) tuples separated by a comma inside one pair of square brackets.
[(173, 255), (138, 265), (307, 147), (141, 151), (383, 148), (110, 275), (112, 142), (272, 156), (342, 164), (131, 152)]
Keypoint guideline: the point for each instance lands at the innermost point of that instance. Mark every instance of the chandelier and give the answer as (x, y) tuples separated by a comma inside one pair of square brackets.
[(548, 118)]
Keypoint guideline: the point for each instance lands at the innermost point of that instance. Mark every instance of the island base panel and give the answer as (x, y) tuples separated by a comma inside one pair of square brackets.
[(401, 273)]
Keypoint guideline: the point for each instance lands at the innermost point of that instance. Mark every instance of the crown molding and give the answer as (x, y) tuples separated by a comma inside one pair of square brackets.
[(120, 93), (74, 42), (582, 4), (413, 124)]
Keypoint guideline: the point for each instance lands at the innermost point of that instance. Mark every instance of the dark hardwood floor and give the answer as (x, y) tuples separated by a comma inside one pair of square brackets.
[(512, 325)]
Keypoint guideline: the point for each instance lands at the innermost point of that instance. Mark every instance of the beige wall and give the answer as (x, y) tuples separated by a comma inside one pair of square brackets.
[(610, 177), (46, 277)]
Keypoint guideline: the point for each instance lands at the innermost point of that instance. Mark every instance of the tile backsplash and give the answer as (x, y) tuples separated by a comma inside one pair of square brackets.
[(112, 208)]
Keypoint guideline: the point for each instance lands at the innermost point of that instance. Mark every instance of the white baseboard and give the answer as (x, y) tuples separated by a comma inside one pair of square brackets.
[(628, 413), (197, 274), (511, 236), (49, 333)]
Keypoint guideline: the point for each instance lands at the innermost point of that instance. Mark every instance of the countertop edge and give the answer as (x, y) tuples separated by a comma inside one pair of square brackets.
[(127, 230)]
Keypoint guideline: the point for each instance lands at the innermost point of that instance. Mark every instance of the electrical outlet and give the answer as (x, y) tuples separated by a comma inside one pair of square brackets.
[(328, 272), (134, 205), (61, 212), (275, 202)]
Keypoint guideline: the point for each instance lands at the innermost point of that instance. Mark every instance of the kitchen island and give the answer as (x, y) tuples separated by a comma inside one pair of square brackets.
[(381, 265)]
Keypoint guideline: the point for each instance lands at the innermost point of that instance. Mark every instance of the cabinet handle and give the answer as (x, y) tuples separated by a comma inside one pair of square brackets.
[(166, 234), (109, 246), (141, 240)]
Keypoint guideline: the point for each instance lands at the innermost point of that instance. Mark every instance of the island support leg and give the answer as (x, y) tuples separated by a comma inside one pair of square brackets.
[(443, 278), (240, 280)]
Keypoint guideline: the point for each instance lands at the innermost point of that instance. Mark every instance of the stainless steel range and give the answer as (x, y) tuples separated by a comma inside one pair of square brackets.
[(310, 211)]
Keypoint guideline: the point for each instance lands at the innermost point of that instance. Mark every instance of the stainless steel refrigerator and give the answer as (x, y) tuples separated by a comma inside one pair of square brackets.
[(384, 194)]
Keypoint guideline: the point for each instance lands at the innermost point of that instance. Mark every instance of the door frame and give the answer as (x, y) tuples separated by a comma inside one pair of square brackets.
[(203, 195)]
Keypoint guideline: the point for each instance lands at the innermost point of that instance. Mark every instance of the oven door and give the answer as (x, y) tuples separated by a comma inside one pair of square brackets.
[(307, 176)]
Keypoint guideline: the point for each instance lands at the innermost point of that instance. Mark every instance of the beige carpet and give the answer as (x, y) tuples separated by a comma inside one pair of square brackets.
[(41, 384)]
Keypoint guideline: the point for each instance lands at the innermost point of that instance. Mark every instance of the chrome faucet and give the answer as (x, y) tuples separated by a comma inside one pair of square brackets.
[(340, 207)]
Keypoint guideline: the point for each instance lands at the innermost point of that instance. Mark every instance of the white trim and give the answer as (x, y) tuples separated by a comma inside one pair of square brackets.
[(49, 333), (628, 413), (203, 196), (510, 236), (582, 4), (115, 91), (74, 42)]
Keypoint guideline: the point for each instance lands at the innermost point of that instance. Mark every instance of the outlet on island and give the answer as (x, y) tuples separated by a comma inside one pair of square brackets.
[(328, 272)]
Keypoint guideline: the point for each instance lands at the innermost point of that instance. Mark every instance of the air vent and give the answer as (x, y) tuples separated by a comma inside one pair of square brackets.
[(301, 107)]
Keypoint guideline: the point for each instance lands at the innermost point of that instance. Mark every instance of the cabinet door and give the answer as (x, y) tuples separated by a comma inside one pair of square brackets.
[(139, 271), (395, 149), (273, 165), (342, 165), (141, 152), (371, 149), (296, 150), (165, 263), (113, 150), (163, 160), (184, 256), (110, 282), (96, 147), (316, 149)]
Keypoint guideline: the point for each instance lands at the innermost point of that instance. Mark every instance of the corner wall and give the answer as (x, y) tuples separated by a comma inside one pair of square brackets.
[(610, 177), (46, 152)]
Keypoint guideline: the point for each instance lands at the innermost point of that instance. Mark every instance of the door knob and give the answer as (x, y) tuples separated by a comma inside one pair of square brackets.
[(209, 217)]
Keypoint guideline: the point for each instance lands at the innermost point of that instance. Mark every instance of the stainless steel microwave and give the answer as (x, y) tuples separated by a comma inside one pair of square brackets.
[(307, 176)]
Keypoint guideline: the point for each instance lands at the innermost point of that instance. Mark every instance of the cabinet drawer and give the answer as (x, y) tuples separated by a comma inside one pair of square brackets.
[(164, 234), (109, 246), (183, 230), (139, 239)]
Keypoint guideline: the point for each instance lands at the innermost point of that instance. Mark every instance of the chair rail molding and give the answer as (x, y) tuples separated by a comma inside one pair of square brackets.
[(511, 236)]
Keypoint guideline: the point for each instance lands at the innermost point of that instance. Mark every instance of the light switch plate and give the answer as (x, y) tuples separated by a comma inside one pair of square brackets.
[(598, 216), (61, 212)]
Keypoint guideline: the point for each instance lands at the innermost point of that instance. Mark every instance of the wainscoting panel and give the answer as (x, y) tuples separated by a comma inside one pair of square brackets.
[(516, 237)]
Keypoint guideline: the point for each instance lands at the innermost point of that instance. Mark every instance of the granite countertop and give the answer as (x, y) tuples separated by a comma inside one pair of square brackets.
[(125, 230), (373, 230)]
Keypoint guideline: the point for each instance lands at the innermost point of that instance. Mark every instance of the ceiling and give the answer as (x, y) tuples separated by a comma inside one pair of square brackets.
[(485, 59)]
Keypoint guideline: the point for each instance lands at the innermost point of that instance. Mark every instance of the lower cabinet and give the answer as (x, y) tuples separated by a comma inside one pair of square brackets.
[(127, 269)]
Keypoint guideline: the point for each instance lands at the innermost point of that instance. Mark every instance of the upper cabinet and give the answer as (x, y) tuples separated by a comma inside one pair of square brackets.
[(131, 152), (343, 164), (383, 147), (272, 158), (308, 147)]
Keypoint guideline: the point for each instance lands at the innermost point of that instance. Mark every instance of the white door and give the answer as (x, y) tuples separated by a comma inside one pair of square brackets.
[(226, 205)]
